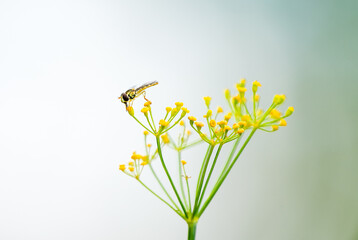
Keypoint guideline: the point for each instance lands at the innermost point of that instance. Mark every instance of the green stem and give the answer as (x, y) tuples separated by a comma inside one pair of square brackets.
[(187, 186), (156, 176), (146, 116), (254, 105), (209, 175), (221, 180), (142, 125), (201, 177), (178, 212), (193, 143), (181, 179), (230, 156), (191, 231), (163, 188), (151, 116), (166, 130), (168, 175)]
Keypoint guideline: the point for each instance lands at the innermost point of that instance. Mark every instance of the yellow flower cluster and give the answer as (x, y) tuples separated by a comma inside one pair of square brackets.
[(164, 124), (135, 167), (222, 132)]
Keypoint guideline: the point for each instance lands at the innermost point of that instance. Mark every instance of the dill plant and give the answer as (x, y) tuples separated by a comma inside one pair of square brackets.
[(238, 126)]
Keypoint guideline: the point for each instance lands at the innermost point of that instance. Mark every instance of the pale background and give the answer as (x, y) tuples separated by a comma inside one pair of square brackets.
[(63, 133)]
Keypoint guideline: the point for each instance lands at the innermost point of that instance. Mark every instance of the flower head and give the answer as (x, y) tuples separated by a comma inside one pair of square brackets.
[(289, 111), (283, 122), (212, 123), (227, 94), (130, 110), (255, 85), (279, 99), (192, 118), (199, 125), (179, 104), (275, 114), (228, 116), (207, 101), (145, 110), (168, 109), (274, 127), (163, 123), (165, 138)]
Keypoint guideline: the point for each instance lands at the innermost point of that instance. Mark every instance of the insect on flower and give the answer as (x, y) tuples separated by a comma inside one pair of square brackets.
[(128, 96)]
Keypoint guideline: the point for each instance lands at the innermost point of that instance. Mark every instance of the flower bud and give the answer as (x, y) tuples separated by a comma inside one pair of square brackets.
[(289, 111), (147, 104), (283, 122), (255, 86), (192, 119), (279, 99), (199, 125), (145, 110), (168, 109), (165, 138), (274, 127), (212, 123), (207, 101), (130, 110), (227, 94), (163, 123)]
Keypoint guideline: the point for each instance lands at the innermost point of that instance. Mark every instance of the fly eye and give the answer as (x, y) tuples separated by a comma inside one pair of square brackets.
[(125, 97)]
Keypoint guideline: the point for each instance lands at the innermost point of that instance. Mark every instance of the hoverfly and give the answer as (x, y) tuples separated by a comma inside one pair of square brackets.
[(128, 96)]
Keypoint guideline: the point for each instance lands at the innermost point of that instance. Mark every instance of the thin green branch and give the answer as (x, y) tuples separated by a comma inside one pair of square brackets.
[(181, 180), (178, 212), (221, 180), (209, 175), (201, 177), (168, 175)]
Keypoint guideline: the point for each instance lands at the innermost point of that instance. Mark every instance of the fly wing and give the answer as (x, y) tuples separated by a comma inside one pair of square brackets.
[(145, 86)]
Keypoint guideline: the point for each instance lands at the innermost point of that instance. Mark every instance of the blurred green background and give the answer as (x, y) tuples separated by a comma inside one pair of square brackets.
[(63, 133)]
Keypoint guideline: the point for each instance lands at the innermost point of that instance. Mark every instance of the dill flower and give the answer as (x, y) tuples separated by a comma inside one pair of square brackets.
[(207, 101), (165, 138), (248, 118), (130, 110), (274, 127), (255, 86), (163, 123), (192, 118), (212, 123), (199, 125), (179, 104), (289, 111), (283, 122), (145, 110), (168, 109)]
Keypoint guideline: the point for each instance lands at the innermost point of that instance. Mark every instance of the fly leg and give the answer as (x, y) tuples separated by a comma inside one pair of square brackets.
[(146, 98)]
